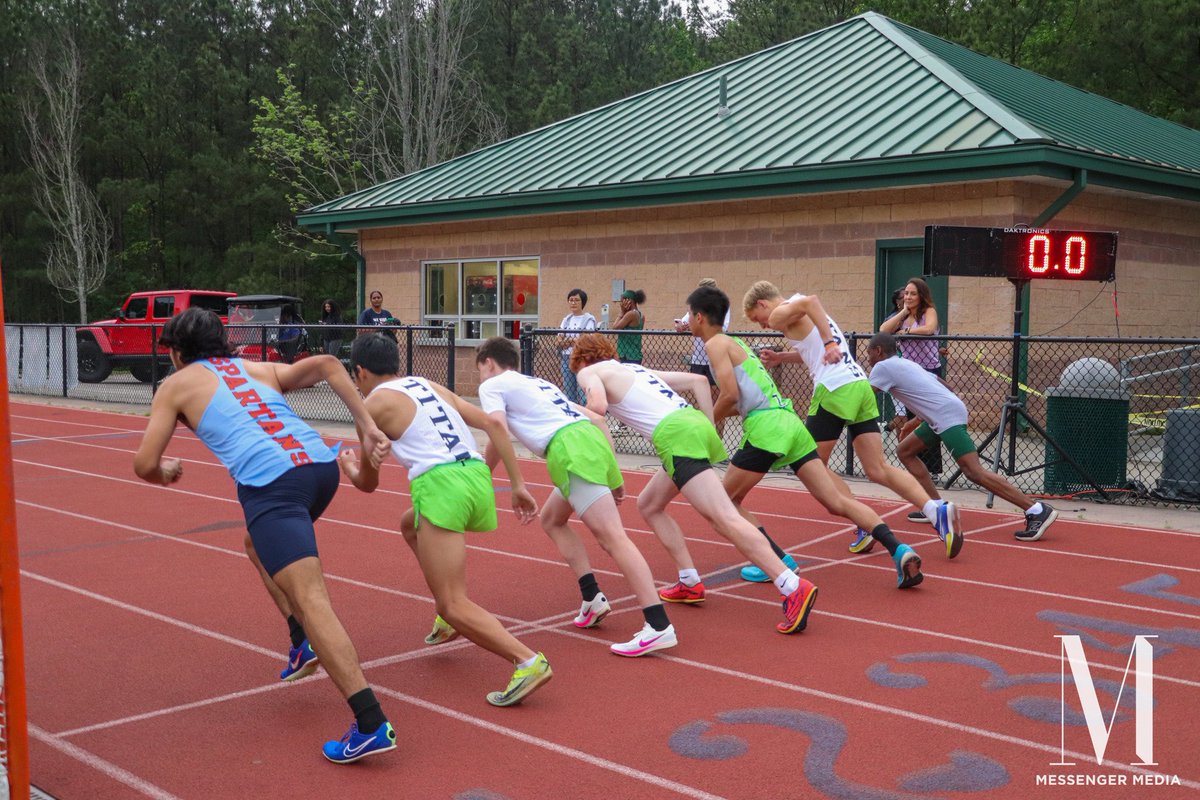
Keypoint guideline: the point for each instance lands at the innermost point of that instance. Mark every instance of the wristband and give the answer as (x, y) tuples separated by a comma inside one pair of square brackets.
[(831, 341)]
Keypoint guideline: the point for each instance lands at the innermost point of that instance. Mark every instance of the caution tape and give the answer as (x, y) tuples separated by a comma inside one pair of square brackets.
[(998, 374)]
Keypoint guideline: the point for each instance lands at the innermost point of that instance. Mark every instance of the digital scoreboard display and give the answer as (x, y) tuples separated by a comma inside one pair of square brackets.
[(1020, 254)]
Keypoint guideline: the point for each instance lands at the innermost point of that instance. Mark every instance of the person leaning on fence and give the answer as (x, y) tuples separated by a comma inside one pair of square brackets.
[(917, 316), (629, 345), (376, 315), (945, 421)]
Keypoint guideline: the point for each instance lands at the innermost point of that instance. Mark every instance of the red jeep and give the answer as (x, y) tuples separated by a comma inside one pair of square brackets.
[(125, 341)]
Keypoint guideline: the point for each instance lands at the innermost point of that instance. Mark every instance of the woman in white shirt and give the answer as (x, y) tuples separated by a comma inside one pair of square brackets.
[(576, 320)]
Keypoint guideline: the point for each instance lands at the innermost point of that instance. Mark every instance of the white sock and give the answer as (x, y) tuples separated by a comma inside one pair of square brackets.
[(527, 663), (787, 582), (689, 577), (1034, 509), (930, 510)]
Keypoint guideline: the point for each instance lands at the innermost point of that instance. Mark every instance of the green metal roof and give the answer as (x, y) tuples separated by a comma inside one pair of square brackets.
[(865, 103)]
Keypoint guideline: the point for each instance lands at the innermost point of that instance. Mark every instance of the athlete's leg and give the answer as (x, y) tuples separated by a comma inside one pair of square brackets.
[(869, 449), (705, 494), (604, 521), (555, 515), (443, 558), (738, 482), (277, 595), (652, 504), (817, 478), (996, 484), (909, 453), (825, 450)]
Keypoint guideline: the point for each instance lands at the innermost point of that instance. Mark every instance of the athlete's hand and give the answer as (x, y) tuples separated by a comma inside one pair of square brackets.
[(376, 445), (769, 357), (832, 355), (524, 505), (348, 461), (618, 494), (171, 469)]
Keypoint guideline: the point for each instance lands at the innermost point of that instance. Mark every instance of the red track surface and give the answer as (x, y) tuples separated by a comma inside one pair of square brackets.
[(153, 651)]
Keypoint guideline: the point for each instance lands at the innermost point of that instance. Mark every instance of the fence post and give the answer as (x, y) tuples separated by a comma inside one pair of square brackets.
[(852, 345), (408, 345), (450, 356), (527, 348), (64, 359), (153, 360), (262, 338)]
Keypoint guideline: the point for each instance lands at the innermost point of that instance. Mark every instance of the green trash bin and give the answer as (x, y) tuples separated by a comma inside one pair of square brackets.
[(1088, 415)]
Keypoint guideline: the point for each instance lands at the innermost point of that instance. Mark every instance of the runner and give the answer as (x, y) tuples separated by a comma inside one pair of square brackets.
[(451, 493), (775, 437), (688, 446), (944, 419), (586, 479), (285, 478), (842, 398)]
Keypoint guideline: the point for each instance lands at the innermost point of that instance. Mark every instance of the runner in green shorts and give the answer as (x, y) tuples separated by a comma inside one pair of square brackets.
[(688, 445), (587, 482), (451, 490), (945, 419), (775, 438)]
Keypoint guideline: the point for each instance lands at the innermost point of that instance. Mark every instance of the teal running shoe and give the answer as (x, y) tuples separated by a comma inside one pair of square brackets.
[(756, 575), (908, 567)]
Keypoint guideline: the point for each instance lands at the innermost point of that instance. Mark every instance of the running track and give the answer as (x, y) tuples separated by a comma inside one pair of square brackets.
[(152, 651)]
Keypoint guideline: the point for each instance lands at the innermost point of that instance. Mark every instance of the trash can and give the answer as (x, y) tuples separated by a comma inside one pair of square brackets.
[(1181, 456), (1088, 415)]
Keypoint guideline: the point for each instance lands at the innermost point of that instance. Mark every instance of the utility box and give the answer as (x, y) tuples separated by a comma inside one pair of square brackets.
[(1181, 456), (1088, 415)]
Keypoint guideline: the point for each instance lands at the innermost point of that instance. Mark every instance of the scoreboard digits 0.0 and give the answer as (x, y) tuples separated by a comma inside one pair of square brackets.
[(1020, 254)]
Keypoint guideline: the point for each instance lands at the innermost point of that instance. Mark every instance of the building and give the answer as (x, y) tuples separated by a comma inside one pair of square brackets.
[(816, 164)]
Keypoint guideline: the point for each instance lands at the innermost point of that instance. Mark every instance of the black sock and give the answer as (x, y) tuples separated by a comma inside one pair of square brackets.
[(588, 587), (883, 535), (778, 550), (296, 631), (367, 713), (656, 616)]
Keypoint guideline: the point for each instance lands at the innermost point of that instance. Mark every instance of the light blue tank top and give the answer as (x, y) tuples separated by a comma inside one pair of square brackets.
[(252, 430)]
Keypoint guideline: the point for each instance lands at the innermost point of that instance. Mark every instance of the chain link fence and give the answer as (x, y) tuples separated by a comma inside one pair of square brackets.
[(1120, 417), (68, 361)]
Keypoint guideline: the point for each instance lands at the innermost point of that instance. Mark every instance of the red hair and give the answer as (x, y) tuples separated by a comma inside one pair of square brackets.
[(591, 348)]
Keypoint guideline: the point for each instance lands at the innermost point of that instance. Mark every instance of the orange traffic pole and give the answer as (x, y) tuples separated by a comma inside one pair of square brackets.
[(12, 693)]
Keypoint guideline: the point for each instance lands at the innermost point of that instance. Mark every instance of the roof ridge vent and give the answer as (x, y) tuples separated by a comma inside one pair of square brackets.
[(722, 98)]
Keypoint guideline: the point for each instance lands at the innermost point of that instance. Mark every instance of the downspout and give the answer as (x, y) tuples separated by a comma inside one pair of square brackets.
[(348, 246)]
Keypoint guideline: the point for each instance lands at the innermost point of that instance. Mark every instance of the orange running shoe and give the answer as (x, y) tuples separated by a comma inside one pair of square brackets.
[(796, 607), (682, 593)]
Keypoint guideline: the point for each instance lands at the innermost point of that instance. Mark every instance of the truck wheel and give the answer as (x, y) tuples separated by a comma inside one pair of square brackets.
[(94, 364), (143, 372)]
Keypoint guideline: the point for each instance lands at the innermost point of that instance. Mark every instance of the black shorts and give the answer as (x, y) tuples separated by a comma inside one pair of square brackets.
[(755, 459), (687, 468), (825, 426), (280, 515), (705, 370)]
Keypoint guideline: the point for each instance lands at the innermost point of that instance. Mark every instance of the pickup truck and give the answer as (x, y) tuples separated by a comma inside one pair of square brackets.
[(126, 340)]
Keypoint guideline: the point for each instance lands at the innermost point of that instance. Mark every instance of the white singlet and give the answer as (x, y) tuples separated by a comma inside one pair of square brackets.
[(534, 409), (812, 350), (648, 402), (437, 434)]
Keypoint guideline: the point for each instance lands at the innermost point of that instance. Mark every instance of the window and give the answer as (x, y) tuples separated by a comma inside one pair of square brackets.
[(164, 306), (481, 298), (136, 309)]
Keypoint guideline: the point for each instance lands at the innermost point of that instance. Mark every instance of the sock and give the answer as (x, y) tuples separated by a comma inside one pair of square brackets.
[(589, 587), (656, 617), (778, 550), (527, 662), (1036, 508), (689, 577), (787, 582), (367, 713), (930, 510), (883, 534), (296, 631)]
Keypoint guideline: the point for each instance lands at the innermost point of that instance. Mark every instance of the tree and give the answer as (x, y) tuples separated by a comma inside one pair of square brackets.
[(78, 254)]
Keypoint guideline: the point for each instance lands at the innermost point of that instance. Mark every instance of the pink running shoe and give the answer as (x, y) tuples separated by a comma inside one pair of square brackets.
[(646, 641)]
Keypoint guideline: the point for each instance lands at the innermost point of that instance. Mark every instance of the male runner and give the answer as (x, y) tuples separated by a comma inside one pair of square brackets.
[(842, 398), (944, 419), (688, 446), (586, 479), (774, 436), (285, 477), (451, 493)]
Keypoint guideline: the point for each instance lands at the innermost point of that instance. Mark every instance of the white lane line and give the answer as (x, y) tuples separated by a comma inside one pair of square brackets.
[(122, 776)]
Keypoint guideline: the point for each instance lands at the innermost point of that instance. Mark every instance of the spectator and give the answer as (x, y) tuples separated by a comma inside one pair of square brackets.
[(289, 334), (331, 338), (376, 314), (575, 320), (629, 345)]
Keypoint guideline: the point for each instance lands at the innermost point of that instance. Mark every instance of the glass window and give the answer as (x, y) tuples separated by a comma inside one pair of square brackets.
[(520, 284), (164, 306), (137, 308), (441, 289), (479, 288), (213, 302), (481, 298)]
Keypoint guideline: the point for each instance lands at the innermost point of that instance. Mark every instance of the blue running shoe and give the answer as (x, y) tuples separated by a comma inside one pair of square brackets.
[(908, 567), (355, 745), (302, 662), (948, 529), (863, 542), (756, 575)]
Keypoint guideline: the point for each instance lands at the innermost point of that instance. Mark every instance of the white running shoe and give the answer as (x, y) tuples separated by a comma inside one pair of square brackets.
[(593, 611), (647, 641)]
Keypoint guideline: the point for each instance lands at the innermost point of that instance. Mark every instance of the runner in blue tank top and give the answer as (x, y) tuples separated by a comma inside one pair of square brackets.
[(286, 476)]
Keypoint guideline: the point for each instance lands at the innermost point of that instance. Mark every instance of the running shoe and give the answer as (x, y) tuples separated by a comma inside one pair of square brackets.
[(682, 593), (948, 528), (593, 611), (908, 567), (918, 516), (796, 607), (355, 745), (756, 575), (1036, 524), (442, 632), (524, 681), (863, 542), (302, 662), (646, 641)]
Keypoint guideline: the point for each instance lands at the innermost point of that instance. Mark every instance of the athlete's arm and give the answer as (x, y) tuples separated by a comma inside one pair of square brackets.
[(722, 370), (358, 466), (522, 501), (820, 320), (490, 454), (592, 384), (597, 420), (311, 371), (690, 382), (773, 358), (149, 464)]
